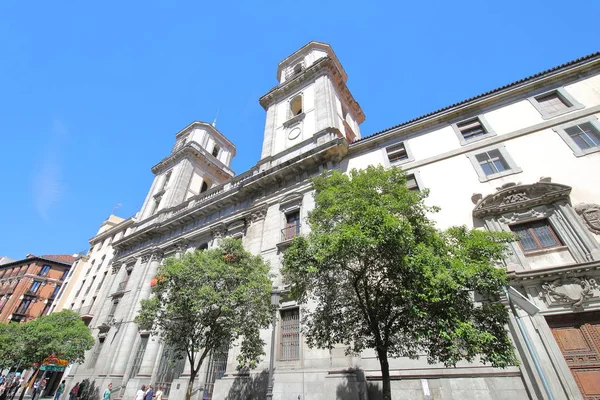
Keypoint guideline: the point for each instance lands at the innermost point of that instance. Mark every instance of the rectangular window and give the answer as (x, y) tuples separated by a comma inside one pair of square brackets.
[(536, 235), (64, 275), (35, 287), (492, 162), (411, 182), (44, 271), (290, 335), (22, 309), (554, 103), (551, 103), (55, 291), (139, 356), (585, 135), (582, 136), (292, 226), (397, 153), (471, 128)]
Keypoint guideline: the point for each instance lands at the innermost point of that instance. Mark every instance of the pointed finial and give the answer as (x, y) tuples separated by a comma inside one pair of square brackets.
[(214, 124)]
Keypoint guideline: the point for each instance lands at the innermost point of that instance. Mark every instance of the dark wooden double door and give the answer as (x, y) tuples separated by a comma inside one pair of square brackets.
[(578, 336)]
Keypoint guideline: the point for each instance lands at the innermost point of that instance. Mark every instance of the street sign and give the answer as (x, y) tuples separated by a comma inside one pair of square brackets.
[(52, 368)]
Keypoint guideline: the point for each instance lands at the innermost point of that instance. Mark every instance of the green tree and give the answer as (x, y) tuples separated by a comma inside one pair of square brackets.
[(382, 277), (207, 299), (11, 345), (61, 334)]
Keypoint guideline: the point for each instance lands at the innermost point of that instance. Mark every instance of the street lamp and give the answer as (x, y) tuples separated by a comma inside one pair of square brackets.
[(275, 296)]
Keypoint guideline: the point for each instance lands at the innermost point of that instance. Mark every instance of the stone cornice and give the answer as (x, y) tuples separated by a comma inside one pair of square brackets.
[(193, 150), (322, 66), (540, 275), (519, 197), (238, 190)]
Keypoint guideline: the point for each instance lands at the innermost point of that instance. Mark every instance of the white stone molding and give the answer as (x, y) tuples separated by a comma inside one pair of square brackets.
[(569, 289), (590, 213)]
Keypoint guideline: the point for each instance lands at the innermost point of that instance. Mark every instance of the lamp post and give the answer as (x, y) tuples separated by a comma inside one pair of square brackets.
[(275, 295)]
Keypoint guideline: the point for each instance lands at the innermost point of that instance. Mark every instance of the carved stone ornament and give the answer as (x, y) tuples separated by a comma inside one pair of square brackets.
[(218, 231), (520, 197), (182, 245), (570, 290), (258, 214), (116, 267), (103, 328), (590, 213), (157, 255), (145, 258)]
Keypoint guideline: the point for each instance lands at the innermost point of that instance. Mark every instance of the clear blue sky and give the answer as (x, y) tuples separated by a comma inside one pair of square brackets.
[(92, 93)]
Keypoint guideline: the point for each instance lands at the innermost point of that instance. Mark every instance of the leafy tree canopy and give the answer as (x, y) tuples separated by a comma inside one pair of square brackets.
[(378, 275), (62, 334), (207, 299)]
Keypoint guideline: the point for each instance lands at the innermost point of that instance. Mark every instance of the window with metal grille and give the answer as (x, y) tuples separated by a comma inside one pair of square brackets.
[(552, 103), (216, 369), (411, 182), (471, 128), (492, 162), (397, 153), (536, 235), (139, 356), (170, 368), (289, 342), (585, 135)]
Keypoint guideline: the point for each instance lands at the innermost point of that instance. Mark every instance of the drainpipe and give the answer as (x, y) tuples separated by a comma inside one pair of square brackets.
[(530, 347)]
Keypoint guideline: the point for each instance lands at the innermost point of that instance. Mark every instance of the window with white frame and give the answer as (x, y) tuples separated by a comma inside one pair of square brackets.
[(397, 153), (582, 136), (493, 162), (554, 103), (472, 130), (412, 182)]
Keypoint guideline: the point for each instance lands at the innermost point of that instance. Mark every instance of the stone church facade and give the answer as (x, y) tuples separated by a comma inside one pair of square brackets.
[(522, 158)]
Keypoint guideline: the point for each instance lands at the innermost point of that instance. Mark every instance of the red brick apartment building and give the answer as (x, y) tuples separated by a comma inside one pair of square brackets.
[(29, 286)]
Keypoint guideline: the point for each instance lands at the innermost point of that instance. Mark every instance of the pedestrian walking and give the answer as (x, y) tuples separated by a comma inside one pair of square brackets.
[(107, 392), (149, 393), (74, 391), (159, 394), (140, 393), (60, 390)]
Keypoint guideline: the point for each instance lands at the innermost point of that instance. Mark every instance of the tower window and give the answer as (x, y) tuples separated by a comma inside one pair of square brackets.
[(215, 151), (156, 204), (296, 106), (166, 181), (298, 68), (204, 187)]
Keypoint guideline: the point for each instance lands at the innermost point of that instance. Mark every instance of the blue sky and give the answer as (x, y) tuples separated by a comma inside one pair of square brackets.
[(92, 94)]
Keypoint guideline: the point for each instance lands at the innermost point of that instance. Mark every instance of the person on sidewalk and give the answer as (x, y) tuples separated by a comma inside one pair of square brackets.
[(140, 393), (149, 393), (60, 390), (159, 394), (74, 391)]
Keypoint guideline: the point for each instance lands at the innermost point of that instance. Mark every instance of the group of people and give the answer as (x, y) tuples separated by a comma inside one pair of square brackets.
[(9, 385), (147, 393)]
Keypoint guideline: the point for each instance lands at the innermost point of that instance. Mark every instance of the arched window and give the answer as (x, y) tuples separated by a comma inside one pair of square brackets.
[(298, 68), (215, 151), (296, 106), (204, 186)]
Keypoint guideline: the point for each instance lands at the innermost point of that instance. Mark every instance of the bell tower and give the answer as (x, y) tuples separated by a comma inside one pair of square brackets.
[(311, 96), (199, 161)]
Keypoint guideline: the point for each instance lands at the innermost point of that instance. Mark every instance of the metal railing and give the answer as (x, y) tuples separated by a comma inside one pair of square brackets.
[(290, 232)]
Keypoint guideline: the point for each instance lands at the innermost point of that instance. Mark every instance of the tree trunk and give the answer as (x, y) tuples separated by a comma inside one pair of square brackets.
[(385, 374), (190, 386)]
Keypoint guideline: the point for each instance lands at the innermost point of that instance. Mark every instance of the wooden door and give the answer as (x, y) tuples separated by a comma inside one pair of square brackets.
[(578, 336)]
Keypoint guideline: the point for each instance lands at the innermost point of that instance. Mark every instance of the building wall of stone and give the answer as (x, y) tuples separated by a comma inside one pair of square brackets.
[(439, 159)]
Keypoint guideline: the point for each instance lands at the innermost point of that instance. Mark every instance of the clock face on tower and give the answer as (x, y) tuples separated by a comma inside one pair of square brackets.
[(294, 133)]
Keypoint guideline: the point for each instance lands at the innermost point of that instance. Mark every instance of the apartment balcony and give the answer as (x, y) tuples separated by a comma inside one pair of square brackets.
[(85, 312), (120, 289), (287, 234), (19, 315)]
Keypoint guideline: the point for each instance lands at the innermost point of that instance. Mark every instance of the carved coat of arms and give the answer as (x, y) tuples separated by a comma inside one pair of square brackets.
[(568, 290), (591, 216)]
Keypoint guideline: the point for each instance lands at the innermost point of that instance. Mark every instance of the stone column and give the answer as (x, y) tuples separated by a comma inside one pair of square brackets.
[(152, 350)]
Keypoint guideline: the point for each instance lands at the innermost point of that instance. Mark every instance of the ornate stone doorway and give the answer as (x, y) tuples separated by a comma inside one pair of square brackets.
[(578, 336)]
